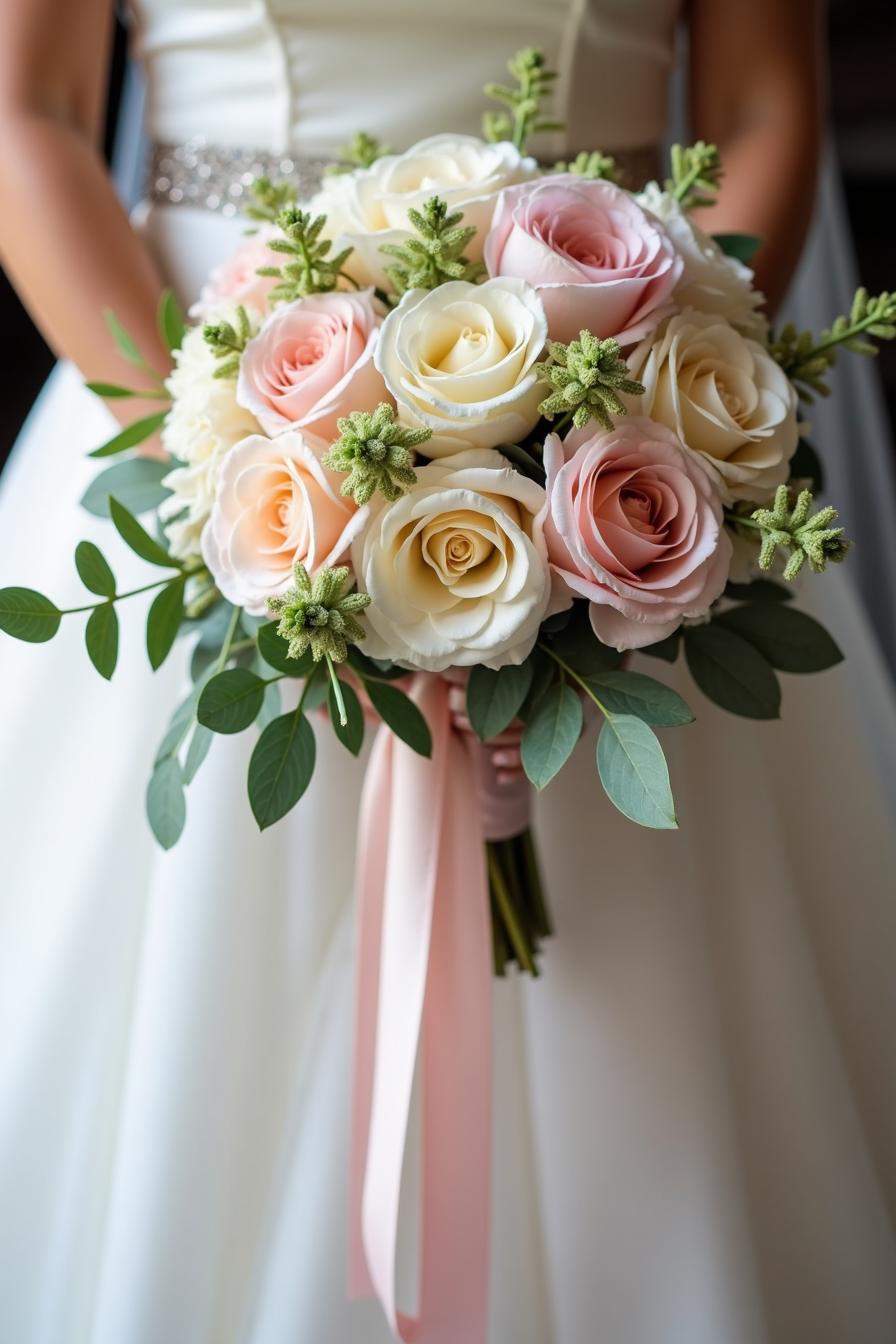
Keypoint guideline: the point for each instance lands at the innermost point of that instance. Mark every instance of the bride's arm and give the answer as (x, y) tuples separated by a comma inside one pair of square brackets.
[(755, 91), (65, 240)]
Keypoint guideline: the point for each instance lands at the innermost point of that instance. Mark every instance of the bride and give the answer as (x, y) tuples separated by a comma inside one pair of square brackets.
[(695, 1106)]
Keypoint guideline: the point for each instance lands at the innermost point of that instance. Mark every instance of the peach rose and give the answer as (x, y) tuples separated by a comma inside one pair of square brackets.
[(596, 258), (236, 280), (274, 504), (312, 362), (633, 524)]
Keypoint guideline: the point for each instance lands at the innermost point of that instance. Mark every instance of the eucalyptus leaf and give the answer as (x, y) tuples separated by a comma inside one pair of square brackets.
[(28, 615), (634, 773), (200, 742), (551, 733), (731, 672), (111, 391), (579, 646), (494, 698), (400, 714), (170, 320), (644, 698), (231, 700), (125, 343), (759, 590), (372, 667), (544, 673), (135, 535), (131, 435), (136, 483), (742, 246), (101, 638), (667, 648), (789, 639), (164, 621), (281, 767), (315, 689), (179, 725), (275, 652), (166, 806), (271, 706), (93, 569), (350, 734)]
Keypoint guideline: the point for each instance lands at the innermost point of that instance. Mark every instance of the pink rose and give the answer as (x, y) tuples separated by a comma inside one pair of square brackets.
[(312, 362), (596, 258), (274, 504), (634, 524), (236, 281)]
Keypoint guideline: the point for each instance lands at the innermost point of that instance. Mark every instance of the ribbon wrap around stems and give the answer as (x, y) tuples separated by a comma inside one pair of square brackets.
[(424, 981)]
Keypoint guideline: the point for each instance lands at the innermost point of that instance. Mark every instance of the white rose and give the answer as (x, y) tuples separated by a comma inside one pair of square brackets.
[(711, 281), (204, 423), (725, 398), (457, 568), (460, 360), (369, 206)]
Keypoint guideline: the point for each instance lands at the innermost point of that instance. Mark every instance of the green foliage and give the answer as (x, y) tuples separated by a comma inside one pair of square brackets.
[(696, 174), (268, 199), (732, 672), (125, 343), (319, 616), (114, 391), (171, 321), (231, 700), (587, 376), (133, 534), (579, 647), (400, 714), (361, 151), (164, 621), (166, 806), (138, 432), (227, 342), (742, 246), (280, 767), (350, 733), (634, 694), (551, 733), (373, 668), (807, 359), (200, 741), (806, 465), (436, 254), (311, 269), (788, 639), (666, 649), (136, 483), (28, 615), (522, 116), (593, 166), (793, 527), (758, 590), (275, 653), (634, 773), (93, 569), (495, 698), (101, 639), (377, 453)]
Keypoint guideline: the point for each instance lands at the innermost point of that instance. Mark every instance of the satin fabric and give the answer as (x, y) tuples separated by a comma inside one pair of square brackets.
[(694, 1107)]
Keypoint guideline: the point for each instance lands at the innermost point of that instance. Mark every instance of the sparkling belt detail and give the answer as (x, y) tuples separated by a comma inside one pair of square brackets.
[(216, 177)]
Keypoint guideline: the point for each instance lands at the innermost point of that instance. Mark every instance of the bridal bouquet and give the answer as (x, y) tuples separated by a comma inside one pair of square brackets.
[(465, 416)]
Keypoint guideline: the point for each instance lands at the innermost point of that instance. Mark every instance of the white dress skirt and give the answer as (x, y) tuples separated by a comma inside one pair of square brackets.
[(695, 1106)]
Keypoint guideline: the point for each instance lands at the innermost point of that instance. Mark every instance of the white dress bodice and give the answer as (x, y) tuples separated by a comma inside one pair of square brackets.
[(291, 75)]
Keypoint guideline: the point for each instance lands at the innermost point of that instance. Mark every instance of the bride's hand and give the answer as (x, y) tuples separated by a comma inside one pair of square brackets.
[(504, 750)]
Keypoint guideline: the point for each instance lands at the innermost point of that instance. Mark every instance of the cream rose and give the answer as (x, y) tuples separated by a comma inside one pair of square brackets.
[(369, 207), (312, 362), (275, 504), (460, 360), (204, 422), (724, 397), (456, 568), (710, 281)]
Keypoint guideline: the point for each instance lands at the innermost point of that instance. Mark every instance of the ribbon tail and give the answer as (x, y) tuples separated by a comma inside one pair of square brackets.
[(424, 982)]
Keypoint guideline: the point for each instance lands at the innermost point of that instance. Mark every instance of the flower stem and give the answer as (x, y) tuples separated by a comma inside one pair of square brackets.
[(509, 915), (133, 592), (337, 691), (575, 676)]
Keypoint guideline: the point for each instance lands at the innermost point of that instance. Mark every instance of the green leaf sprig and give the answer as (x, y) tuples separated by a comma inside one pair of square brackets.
[(807, 359), (377, 453), (268, 199), (587, 376), (361, 151), (310, 268), (593, 166), (228, 341), (790, 525), (436, 253), (523, 116), (696, 174)]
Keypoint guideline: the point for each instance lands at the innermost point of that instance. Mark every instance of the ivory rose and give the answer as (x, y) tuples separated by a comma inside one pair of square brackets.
[(369, 207), (456, 568), (275, 504), (596, 258), (634, 525), (236, 280), (312, 362), (710, 280), (204, 422), (725, 398), (460, 360)]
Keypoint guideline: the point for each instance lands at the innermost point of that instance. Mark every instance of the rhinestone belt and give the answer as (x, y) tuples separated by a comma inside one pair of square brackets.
[(214, 177)]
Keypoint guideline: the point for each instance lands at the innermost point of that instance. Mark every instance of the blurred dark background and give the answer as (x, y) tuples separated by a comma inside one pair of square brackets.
[(862, 45)]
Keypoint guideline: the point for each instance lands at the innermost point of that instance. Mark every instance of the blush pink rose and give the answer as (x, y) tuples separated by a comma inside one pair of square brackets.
[(634, 525), (236, 281), (312, 362), (596, 258), (274, 504)]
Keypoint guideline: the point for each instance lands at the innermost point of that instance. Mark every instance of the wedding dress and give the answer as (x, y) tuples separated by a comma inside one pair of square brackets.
[(695, 1106)]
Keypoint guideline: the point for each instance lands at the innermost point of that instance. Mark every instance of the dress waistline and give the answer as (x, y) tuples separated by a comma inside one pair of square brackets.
[(218, 177)]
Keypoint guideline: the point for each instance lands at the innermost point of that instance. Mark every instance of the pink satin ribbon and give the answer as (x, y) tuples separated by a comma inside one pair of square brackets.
[(424, 982)]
